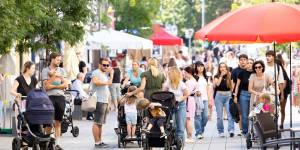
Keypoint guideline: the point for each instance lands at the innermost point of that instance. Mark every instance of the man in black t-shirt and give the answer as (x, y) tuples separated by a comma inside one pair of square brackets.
[(234, 75)]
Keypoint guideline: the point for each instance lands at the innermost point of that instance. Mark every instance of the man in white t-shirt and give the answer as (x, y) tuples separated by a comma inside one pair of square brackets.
[(270, 56), (179, 61)]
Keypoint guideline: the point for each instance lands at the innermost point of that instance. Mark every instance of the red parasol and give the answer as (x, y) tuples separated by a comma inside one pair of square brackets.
[(262, 23), (162, 37)]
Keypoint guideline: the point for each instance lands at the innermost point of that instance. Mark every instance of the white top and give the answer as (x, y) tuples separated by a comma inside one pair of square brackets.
[(130, 108), (202, 88), (180, 63), (232, 63), (270, 71), (179, 91), (77, 85)]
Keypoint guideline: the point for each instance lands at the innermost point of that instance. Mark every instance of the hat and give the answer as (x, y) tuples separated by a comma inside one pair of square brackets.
[(198, 63), (208, 74), (114, 63)]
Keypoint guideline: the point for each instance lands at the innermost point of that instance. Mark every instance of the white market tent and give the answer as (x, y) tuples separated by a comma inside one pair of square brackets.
[(116, 40)]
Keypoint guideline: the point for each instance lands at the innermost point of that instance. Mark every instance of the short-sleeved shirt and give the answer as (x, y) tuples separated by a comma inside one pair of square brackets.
[(223, 86), (153, 84), (45, 73), (202, 87), (177, 92), (23, 87), (270, 71), (235, 73), (81, 66), (266, 108), (136, 81), (244, 77), (101, 91)]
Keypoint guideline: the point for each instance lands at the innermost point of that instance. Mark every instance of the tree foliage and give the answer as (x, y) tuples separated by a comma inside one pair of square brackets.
[(135, 15), (42, 24)]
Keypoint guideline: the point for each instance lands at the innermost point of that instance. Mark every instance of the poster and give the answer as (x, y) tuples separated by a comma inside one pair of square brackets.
[(157, 52)]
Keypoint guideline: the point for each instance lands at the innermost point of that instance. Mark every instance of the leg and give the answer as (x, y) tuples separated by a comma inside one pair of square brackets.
[(204, 116), (219, 108), (189, 128), (210, 113), (57, 127), (129, 130), (180, 122), (224, 113), (115, 105), (245, 104), (133, 130), (282, 105), (197, 124), (96, 133)]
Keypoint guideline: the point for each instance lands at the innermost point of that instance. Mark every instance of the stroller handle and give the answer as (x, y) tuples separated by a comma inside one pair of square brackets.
[(162, 107)]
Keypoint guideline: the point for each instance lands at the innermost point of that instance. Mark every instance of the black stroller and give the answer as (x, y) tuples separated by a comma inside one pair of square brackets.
[(39, 112), (167, 100), (67, 118), (121, 131)]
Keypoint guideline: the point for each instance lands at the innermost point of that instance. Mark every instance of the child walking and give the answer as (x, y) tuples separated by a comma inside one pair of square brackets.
[(159, 116), (130, 112)]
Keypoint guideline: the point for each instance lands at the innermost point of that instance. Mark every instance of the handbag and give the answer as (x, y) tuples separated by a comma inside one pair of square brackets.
[(90, 102)]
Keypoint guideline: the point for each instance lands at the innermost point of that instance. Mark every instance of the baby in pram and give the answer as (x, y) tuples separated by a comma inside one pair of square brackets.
[(159, 116)]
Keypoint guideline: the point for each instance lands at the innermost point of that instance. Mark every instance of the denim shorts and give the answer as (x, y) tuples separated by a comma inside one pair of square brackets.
[(131, 118)]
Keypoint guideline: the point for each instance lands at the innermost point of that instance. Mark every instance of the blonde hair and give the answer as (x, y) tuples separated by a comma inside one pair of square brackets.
[(138, 63), (175, 77), (152, 63), (143, 103), (132, 99), (228, 76), (265, 97), (172, 63)]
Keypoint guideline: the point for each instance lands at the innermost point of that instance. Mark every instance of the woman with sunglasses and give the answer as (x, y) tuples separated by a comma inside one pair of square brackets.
[(224, 87), (258, 81)]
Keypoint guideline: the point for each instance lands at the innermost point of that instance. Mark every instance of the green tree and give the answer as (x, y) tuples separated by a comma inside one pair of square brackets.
[(135, 15)]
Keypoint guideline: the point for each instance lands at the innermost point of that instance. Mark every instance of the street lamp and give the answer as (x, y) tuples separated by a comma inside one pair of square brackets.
[(189, 34)]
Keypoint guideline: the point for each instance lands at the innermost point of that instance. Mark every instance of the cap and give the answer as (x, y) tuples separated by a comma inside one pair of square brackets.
[(198, 63)]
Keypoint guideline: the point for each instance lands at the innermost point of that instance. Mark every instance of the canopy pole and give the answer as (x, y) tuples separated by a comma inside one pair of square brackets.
[(276, 102), (291, 104)]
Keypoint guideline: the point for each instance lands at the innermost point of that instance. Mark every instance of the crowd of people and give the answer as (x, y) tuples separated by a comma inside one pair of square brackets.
[(197, 88)]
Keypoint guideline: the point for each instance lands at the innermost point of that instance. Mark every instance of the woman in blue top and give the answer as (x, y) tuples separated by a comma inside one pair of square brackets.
[(134, 76)]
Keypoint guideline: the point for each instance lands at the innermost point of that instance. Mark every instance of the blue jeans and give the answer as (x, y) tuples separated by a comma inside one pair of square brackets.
[(180, 120), (200, 121), (245, 106), (222, 100)]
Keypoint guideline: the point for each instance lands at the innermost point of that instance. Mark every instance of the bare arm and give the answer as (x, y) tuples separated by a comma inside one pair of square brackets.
[(208, 92), (141, 88), (238, 82), (218, 80), (63, 85), (164, 88), (231, 89), (98, 82), (125, 81), (14, 89), (185, 95), (50, 81)]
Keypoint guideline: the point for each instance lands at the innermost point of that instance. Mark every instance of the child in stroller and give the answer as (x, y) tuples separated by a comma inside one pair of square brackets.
[(263, 107), (159, 116)]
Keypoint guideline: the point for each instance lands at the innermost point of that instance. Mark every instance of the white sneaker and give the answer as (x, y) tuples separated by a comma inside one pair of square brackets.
[(221, 135), (240, 133), (200, 136), (189, 140)]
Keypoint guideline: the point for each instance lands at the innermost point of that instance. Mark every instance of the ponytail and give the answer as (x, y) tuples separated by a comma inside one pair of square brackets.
[(154, 71)]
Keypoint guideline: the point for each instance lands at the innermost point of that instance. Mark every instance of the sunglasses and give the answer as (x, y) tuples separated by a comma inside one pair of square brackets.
[(105, 65), (259, 67)]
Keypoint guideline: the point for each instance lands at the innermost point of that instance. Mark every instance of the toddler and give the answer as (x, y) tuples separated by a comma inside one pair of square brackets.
[(130, 112), (57, 79), (265, 100), (159, 116)]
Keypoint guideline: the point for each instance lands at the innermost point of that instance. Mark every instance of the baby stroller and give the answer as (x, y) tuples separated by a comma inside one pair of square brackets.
[(121, 131), (167, 100), (39, 111), (67, 118), (251, 137)]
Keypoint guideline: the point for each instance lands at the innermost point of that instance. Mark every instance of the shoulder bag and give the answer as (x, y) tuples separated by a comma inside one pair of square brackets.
[(90, 102)]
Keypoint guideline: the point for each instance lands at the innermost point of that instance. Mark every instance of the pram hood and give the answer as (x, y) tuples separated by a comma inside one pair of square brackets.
[(164, 98), (38, 99), (39, 108)]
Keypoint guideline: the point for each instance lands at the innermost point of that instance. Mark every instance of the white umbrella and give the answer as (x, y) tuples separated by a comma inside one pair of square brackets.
[(70, 62), (116, 40), (7, 65)]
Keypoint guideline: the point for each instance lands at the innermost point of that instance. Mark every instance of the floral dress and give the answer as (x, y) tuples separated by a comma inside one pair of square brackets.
[(191, 86)]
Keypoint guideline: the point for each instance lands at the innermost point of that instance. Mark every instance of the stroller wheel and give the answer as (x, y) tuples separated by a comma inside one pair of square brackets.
[(167, 145), (119, 140), (248, 141), (140, 144), (16, 144), (75, 131), (146, 146), (179, 145)]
